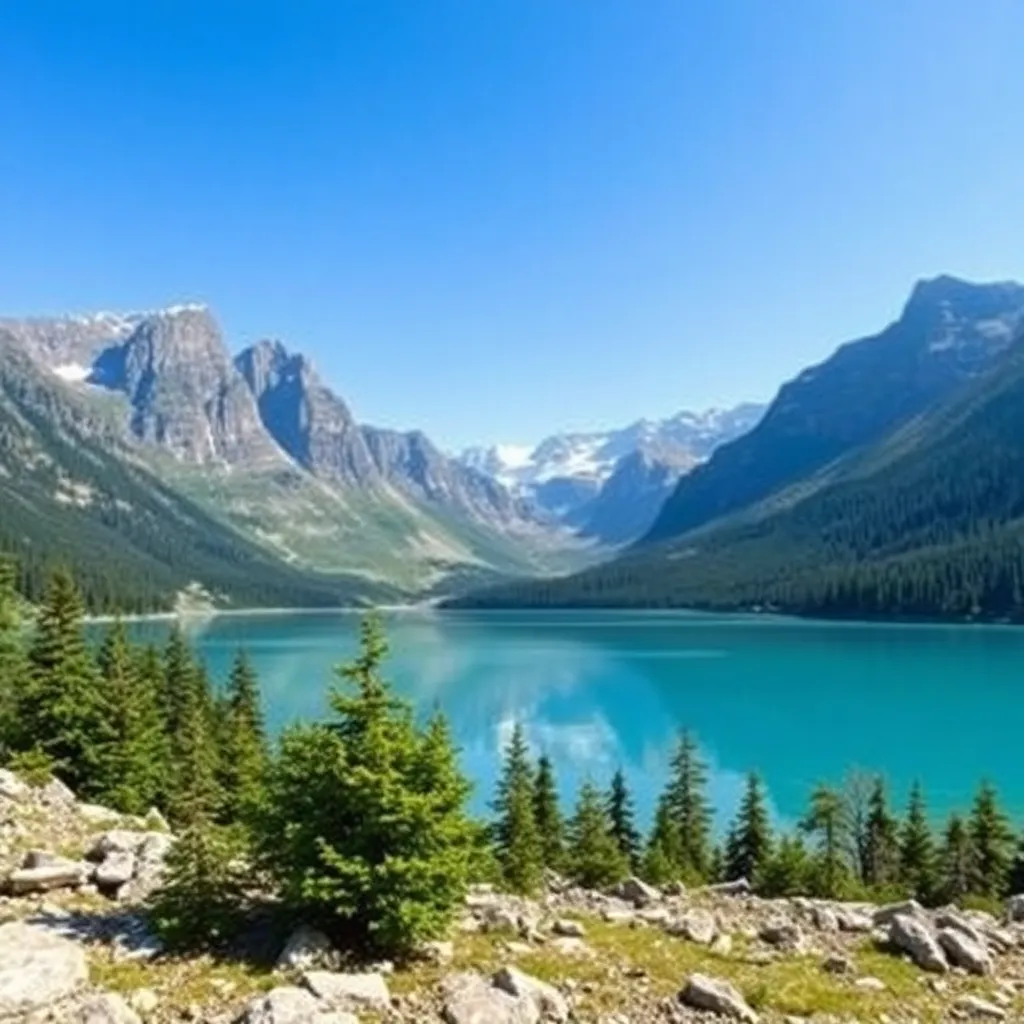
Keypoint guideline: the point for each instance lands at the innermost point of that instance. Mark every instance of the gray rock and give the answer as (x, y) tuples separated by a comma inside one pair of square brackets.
[(951, 919), (637, 891), (619, 916), (837, 964), (696, 926), (95, 814), (854, 921), (569, 929), (37, 969), (11, 787), (63, 875), (722, 946), (348, 991), (289, 1005), (118, 840), (658, 916), (470, 999), (740, 887), (705, 993), (549, 1001), (869, 984), (1015, 908), (825, 919), (56, 794), (914, 938), (103, 1008), (306, 948), (964, 952), (974, 1006), (783, 934), (906, 908), (115, 871), (567, 945)]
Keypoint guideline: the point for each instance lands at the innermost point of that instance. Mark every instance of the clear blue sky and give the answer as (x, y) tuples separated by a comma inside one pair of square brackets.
[(497, 219)]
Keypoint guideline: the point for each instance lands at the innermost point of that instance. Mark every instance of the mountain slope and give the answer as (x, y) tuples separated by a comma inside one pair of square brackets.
[(949, 331)]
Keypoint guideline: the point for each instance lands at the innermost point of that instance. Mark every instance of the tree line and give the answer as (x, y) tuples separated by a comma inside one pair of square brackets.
[(359, 824)]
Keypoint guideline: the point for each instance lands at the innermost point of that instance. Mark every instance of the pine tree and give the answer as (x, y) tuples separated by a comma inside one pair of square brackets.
[(689, 807), (13, 666), (133, 755), (749, 843), (365, 826), (244, 743), (881, 845), (621, 816), (1015, 884), (517, 839), (548, 816), (917, 849), (956, 861), (787, 871), (595, 859), (992, 843), (60, 711), (826, 820), (149, 676), (662, 858)]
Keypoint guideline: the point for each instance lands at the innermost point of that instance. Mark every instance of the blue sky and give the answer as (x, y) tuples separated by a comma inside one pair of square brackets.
[(496, 220)]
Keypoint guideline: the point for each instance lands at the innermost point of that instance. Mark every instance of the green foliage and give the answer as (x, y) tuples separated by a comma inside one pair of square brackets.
[(548, 816), (881, 859), (956, 861), (1015, 883), (518, 841), (826, 821), (244, 754), (917, 849), (596, 860), (200, 904), (748, 845), (623, 823), (13, 665), (687, 803), (787, 872), (35, 766), (992, 844), (663, 854), (365, 829)]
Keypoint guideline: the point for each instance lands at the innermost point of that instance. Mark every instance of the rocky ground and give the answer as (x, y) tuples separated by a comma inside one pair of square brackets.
[(74, 947)]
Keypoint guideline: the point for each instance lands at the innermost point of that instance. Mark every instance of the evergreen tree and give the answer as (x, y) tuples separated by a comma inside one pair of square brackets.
[(61, 711), (133, 757), (956, 861), (365, 828), (992, 843), (917, 849), (13, 668), (881, 846), (716, 866), (517, 839), (662, 858), (548, 816), (826, 821), (243, 743), (621, 816), (689, 807), (749, 843), (595, 858), (787, 871), (1015, 884)]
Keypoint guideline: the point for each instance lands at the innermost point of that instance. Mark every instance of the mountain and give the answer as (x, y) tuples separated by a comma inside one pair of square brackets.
[(927, 520), (949, 331), (587, 480)]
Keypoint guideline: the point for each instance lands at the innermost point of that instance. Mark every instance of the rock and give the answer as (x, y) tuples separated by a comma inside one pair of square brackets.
[(118, 840), (144, 1001), (115, 871), (658, 916), (837, 964), (550, 1003), (696, 926), (619, 916), (306, 948), (722, 946), (907, 908), (913, 937), (674, 889), (95, 814), (348, 991), (569, 946), (704, 993), (289, 1005), (56, 794), (37, 969), (973, 1006), (951, 919), (964, 952), (853, 920), (104, 1008), (637, 891), (783, 934), (63, 875), (869, 984), (825, 919), (470, 999), (1015, 908), (438, 952), (11, 787), (569, 929)]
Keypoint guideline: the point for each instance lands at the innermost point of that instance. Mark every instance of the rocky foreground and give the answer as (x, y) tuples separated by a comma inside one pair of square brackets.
[(75, 947)]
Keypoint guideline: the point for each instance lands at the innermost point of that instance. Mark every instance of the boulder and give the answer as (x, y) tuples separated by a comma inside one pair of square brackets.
[(619, 916), (951, 919), (869, 984), (1015, 908), (783, 934), (718, 996), (837, 964), (722, 946), (56, 794), (118, 840), (740, 887), (306, 948), (913, 937), (658, 916), (964, 952), (95, 814), (288, 1005), (115, 871), (11, 787), (569, 929), (37, 969), (550, 1003), (637, 891), (471, 999), (102, 1008), (60, 875), (825, 919), (853, 920), (906, 908), (696, 926), (973, 1006), (567, 945), (348, 991)]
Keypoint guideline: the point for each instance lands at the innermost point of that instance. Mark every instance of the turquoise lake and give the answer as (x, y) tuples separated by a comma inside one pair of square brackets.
[(799, 701)]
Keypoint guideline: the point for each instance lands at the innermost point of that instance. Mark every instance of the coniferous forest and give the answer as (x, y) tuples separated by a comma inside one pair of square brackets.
[(360, 823)]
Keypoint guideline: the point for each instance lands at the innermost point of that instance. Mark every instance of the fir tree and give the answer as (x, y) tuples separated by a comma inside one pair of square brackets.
[(548, 816), (517, 839), (689, 807), (917, 849), (1015, 884), (244, 743), (13, 668), (595, 858), (881, 840), (992, 843), (787, 871), (661, 863), (956, 861), (621, 816), (826, 821), (365, 827), (60, 711), (749, 843)]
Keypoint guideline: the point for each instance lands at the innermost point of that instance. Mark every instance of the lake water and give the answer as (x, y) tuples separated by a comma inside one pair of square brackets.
[(800, 702)]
